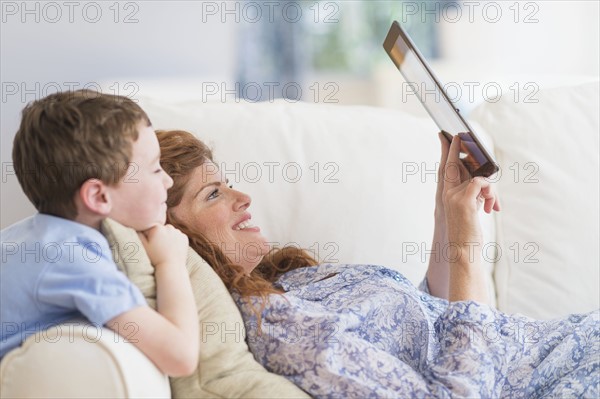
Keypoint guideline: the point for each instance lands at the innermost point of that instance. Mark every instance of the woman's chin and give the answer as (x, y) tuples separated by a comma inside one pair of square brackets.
[(251, 238)]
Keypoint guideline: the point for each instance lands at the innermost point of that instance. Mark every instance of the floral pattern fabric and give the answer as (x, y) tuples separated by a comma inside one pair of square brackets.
[(366, 331)]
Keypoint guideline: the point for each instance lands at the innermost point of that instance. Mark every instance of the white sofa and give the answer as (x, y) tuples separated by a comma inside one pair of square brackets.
[(356, 185), (98, 364)]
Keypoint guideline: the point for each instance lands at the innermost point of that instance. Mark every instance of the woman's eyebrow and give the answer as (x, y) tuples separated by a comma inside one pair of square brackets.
[(215, 183)]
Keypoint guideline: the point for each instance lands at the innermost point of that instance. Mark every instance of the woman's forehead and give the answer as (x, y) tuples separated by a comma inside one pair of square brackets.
[(208, 172), (205, 175)]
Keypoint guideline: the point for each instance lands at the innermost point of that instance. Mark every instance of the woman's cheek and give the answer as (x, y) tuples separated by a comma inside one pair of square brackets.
[(220, 235)]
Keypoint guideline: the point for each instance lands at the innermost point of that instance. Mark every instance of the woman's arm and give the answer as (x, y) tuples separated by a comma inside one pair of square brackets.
[(438, 272), (455, 271), (462, 201)]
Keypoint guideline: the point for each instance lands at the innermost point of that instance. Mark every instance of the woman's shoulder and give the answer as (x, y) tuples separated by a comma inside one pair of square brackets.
[(325, 277), (314, 283)]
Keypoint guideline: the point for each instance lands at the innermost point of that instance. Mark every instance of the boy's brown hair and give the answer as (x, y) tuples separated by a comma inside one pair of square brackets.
[(67, 138)]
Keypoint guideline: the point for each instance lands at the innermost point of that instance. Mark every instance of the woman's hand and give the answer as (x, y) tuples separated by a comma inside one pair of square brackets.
[(462, 197), (459, 171)]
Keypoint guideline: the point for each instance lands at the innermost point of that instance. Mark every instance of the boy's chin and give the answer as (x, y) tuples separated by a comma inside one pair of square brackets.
[(143, 225), (159, 221)]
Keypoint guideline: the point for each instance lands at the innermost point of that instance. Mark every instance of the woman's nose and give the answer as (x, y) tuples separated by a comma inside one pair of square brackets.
[(242, 201)]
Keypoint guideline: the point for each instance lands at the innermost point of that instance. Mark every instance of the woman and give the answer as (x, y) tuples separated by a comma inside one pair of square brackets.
[(366, 331)]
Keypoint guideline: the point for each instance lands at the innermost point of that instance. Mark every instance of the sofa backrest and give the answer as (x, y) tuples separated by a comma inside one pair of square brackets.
[(351, 184), (547, 146)]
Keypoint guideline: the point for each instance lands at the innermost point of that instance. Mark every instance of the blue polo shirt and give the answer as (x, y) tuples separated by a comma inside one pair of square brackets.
[(53, 270)]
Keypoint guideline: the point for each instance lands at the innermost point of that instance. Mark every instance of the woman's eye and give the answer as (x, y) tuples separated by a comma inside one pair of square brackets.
[(214, 194), (230, 186)]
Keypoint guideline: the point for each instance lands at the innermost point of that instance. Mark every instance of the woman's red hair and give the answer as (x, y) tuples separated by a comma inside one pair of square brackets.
[(181, 154)]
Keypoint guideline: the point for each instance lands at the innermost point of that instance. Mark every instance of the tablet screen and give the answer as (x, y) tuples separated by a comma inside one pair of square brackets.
[(422, 82)]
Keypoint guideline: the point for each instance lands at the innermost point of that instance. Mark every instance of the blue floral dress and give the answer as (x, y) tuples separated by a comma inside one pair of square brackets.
[(365, 331)]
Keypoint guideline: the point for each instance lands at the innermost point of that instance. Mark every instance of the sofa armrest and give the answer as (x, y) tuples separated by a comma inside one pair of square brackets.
[(78, 359)]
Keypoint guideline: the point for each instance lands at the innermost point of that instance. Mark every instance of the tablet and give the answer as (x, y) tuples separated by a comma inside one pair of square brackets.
[(430, 92)]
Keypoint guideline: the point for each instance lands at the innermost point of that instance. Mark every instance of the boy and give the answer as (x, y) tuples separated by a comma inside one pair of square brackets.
[(81, 157)]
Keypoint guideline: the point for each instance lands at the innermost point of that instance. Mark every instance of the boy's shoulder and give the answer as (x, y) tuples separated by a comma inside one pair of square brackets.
[(41, 225), (44, 238)]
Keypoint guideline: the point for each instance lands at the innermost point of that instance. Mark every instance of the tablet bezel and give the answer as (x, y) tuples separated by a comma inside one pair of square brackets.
[(396, 32)]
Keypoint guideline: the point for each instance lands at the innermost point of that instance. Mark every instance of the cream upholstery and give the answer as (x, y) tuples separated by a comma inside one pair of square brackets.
[(549, 229), (79, 360)]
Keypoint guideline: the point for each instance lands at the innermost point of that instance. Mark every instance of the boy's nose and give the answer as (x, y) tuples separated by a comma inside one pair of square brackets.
[(168, 181)]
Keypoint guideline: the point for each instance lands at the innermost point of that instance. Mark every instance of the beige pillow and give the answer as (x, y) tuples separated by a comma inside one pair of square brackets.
[(226, 367)]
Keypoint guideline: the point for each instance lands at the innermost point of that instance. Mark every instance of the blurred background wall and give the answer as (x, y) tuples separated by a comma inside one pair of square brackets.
[(315, 51)]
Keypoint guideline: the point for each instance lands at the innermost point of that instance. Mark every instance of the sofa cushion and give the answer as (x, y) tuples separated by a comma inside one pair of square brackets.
[(77, 359), (226, 367), (548, 229), (351, 184)]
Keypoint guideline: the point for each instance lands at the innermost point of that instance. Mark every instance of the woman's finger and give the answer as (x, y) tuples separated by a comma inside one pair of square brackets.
[(445, 148), (452, 171), (489, 195), (478, 187), (489, 204), (497, 204)]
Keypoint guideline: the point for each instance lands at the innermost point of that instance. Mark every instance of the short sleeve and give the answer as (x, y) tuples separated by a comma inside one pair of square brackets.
[(98, 290), (424, 286)]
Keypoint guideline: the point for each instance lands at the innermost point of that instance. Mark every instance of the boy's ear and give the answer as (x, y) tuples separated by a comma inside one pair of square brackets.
[(94, 195)]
